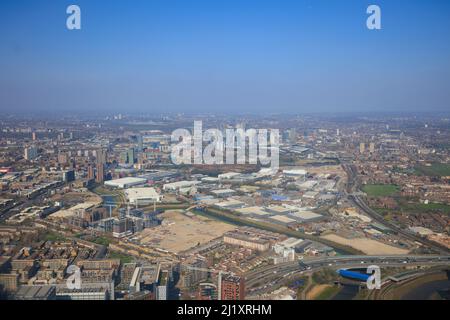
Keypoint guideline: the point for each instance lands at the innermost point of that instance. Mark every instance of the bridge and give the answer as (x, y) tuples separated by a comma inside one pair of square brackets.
[(264, 279)]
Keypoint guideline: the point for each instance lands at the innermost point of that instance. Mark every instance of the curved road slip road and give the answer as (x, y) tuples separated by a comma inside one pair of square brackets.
[(264, 280)]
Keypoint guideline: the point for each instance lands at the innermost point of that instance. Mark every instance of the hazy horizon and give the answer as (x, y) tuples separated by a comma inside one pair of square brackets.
[(227, 57)]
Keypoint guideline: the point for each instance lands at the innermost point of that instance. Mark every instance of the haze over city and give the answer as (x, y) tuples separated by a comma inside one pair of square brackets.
[(224, 56)]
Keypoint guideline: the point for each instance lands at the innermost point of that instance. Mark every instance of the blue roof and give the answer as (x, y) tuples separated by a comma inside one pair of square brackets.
[(203, 197), (354, 275), (276, 197)]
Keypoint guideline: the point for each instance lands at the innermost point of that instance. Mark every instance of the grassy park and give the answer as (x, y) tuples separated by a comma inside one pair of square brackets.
[(380, 190), (435, 170)]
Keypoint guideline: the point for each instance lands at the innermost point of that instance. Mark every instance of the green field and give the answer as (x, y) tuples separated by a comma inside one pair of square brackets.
[(380, 190), (101, 241), (54, 237), (435, 170), (425, 208)]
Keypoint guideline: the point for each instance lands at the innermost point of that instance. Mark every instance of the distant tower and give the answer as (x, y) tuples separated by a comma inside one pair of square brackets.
[(372, 147), (100, 173), (91, 172), (30, 153), (101, 156), (293, 136), (131, 156), (33, 136), (362, 147), (140, 142), (338, 132)]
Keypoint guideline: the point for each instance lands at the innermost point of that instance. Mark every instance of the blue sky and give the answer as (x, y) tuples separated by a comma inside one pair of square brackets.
[(224, 56)]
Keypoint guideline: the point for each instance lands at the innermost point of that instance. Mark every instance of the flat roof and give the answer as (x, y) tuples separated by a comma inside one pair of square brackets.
[(124, 181), (310, 194), (301, 172), (291, 242), (283, 219), (279, 209), (72, 210), (141, 193), (306, 215), (230, 202), (253, 210), (181, 184), (210, 179), (228, 175), (222, 191)]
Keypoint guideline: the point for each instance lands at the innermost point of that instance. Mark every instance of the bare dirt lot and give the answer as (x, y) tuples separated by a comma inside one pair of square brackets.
[(181, 232), (368, 246)]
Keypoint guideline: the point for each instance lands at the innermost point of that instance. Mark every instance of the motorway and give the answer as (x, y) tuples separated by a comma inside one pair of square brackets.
[(266, 279)]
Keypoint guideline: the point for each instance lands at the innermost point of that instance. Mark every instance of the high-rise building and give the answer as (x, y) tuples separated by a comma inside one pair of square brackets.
[(100, 178), (140, 142), (101, 156), (293, 136), (372, 147), (91, 172), (131, 159), (232, 288), (362, 147), (30, 153), (33, 136)]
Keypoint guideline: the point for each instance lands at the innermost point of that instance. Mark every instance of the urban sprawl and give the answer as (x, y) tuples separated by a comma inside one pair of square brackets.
[(102, 194)]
